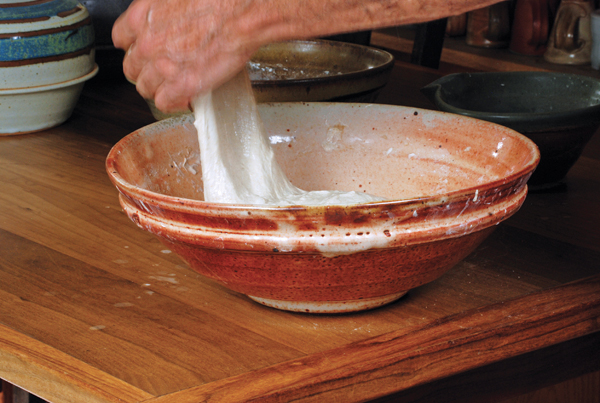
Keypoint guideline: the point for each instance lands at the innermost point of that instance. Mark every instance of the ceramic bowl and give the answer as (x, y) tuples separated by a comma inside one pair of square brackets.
[(559, 112), (449, 180), (27, 110), (316, 70), (43, 45), (319, 70)]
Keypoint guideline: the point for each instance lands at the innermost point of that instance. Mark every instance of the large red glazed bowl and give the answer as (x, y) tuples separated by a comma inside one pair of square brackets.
[(449, 180)]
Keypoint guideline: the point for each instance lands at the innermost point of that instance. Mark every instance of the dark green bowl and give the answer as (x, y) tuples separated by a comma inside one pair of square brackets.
[(559, 112)]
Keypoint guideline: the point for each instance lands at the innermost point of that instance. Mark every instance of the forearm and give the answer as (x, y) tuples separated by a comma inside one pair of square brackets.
[(268, 21), (177, 49)]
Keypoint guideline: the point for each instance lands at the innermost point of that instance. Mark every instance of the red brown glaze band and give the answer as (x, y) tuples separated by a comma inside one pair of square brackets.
[(82, 23), (23, 4)]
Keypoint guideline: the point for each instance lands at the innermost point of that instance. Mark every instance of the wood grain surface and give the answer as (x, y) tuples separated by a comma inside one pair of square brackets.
[(94, 309)]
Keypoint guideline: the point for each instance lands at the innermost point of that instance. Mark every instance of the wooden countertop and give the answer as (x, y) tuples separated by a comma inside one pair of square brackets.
[(94, 309)]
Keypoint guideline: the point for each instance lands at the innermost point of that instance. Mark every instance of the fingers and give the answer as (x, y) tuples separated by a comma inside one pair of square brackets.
[(199, 76), (176, 49), (135, 60), (126, 33), (148, 80), (122, 35), (129, 24), (175, 95), (168, 99)]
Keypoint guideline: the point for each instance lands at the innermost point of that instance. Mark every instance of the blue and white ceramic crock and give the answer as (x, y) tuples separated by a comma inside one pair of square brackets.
[(45, 45)]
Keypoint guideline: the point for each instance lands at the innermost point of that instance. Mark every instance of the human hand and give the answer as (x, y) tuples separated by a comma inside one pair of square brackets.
[(177, 49)]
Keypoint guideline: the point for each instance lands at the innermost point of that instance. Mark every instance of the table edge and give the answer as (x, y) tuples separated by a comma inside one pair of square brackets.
[(410, 357), (56, 376)]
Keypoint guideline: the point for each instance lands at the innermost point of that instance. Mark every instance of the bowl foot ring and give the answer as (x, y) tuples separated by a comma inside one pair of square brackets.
[(329, 306)]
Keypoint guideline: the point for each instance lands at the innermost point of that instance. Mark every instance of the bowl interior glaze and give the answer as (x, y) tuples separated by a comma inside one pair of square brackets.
[(380, 151), (314, 60), (319, 70), (559, 112)]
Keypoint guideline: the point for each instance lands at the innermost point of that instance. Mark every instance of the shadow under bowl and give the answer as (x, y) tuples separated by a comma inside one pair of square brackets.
[(446, 193), (559, 112)]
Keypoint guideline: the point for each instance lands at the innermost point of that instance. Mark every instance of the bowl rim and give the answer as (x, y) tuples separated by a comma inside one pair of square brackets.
[(185, 205), (53, 86)]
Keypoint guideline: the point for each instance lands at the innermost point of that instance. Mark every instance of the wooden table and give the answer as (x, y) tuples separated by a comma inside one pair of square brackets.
[(93, 309)]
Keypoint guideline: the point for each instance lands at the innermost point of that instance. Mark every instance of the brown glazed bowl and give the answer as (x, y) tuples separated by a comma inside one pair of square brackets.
[(449, 180), (316, 71)]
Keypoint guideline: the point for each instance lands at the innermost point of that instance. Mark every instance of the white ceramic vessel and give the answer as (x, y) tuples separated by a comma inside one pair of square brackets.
[(46, 54), (31, 109)]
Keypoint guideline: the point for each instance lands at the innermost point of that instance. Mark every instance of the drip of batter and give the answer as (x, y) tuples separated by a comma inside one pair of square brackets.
[(238, 163)]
